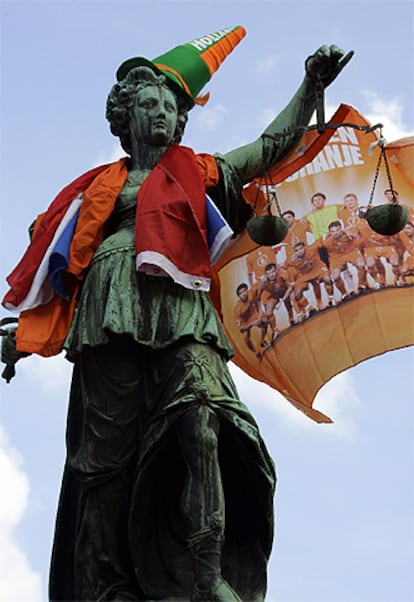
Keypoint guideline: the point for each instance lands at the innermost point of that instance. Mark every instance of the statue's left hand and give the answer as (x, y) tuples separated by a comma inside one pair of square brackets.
[(9, 354), (326, 64)]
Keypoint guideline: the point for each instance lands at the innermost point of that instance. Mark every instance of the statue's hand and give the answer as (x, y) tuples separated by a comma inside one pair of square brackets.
[(9, 354), (326, 64)]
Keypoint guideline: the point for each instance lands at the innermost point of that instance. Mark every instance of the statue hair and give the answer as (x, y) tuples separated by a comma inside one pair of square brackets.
[(122, 97)]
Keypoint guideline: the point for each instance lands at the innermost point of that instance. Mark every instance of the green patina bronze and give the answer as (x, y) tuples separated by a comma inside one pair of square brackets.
[(168, 487), (387, 219)]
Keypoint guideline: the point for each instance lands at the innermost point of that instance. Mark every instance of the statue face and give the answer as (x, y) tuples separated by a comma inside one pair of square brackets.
[(154, 116)]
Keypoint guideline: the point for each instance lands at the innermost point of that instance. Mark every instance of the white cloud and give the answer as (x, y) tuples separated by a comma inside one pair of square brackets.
[(110, 156), (265, 117), (257, 394), (267, 64), (329, 111), (388, 112), (337, 399), (14, 496), (210, 118), (50, 375), (18, 581)]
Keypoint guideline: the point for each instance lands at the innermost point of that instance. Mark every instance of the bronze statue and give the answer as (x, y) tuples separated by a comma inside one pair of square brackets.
[(167, 491)]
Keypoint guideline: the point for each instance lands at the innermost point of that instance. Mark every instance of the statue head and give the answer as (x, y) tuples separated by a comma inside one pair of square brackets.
[(185, 70), (122, 100)]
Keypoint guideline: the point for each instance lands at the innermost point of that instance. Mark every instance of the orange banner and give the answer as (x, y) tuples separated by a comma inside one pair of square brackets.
[(334, 292)]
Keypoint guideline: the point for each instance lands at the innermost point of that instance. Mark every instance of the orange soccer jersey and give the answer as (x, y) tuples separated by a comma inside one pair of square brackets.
[(310, 267), (257, 261), (296, 233), (350, 219), (275, 289), (342, 250), (377, 245), (407, 243), (246, 311)]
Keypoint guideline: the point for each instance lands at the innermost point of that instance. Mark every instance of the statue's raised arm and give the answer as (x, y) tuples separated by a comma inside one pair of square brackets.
[(255, 159)]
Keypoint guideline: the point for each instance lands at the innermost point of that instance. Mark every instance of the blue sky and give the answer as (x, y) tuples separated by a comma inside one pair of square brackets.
[(345, 498)]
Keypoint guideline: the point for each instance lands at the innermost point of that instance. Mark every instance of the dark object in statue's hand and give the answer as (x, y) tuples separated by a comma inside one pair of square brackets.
[(9, 354), (8, 373)]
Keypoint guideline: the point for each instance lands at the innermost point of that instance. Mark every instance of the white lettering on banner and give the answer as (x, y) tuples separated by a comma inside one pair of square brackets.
[(206, 41), (345, 134), (342, 151), (320, 163)]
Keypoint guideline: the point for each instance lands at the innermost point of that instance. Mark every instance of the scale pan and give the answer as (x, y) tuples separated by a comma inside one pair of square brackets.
[(267, 230), (387, 219)]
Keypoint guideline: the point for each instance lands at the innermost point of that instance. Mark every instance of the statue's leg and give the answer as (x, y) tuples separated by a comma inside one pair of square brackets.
[(203, 502), (102, 438)]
